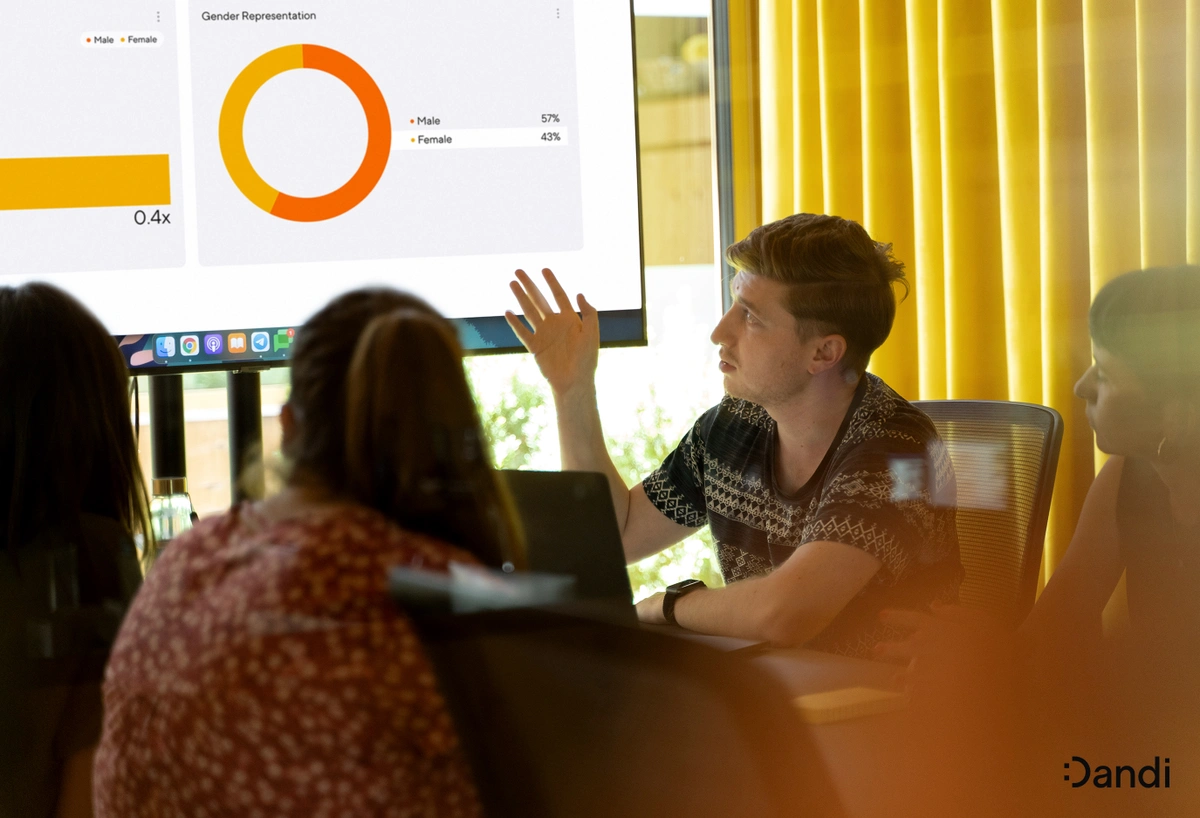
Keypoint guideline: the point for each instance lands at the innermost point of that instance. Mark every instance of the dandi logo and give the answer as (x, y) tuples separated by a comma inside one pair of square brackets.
[(1103, 776)]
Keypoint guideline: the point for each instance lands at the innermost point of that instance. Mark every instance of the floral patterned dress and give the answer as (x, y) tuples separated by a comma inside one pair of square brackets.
[(263, 671)]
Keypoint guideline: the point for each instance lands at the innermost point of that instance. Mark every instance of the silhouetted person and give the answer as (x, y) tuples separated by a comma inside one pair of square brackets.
[(72, 498), (1122, 700)]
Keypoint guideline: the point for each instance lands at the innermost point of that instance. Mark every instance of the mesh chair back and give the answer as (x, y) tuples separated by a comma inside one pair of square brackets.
[(1005, 455), (561, 715)]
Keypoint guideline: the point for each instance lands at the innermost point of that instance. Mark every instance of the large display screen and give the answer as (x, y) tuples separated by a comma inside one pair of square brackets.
[(205, 175)]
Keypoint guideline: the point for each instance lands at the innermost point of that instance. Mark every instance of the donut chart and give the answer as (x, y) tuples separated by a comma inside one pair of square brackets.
[(233, 146)]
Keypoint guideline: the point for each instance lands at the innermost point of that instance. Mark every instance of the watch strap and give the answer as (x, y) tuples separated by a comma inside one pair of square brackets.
[(672, 595)]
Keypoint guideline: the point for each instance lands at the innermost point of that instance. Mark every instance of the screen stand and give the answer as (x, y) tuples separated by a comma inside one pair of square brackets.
[(246, 476), (171, 511), (168, 447)]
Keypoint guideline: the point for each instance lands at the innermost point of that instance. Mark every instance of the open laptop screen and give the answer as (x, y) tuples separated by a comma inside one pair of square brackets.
[(571, 528)]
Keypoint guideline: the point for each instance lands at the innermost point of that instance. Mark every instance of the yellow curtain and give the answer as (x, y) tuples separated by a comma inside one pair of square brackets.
[(1018, 154)]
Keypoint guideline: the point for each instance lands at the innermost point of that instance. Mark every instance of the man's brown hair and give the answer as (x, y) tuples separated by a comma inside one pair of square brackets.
[(840, 278)]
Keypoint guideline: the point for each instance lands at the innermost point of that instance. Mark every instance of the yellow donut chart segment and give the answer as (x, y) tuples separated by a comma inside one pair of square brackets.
[(233, 120), (233, 145)]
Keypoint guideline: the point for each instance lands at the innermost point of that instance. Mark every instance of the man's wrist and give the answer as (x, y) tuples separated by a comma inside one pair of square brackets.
[(676, 592), (575, 396)]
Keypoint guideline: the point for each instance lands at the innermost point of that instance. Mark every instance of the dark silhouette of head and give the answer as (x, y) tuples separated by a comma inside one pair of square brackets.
[(67, 445)]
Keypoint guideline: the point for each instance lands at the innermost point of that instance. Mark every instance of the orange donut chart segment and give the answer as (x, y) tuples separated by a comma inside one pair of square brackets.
[(233, 148), (379, 142)]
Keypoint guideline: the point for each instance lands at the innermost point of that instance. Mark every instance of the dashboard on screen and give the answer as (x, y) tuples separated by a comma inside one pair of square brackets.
[(206, 175)]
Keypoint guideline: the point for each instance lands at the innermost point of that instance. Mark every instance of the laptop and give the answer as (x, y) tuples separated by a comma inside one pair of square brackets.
[(571, 528)]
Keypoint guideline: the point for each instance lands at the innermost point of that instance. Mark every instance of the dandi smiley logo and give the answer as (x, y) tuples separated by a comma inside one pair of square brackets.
[(1102, 776)]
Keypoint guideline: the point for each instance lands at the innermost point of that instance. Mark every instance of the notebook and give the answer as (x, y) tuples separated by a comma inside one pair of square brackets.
[(848, 703)]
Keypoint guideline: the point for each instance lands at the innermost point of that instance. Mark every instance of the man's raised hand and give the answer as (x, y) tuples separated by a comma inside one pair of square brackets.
[(566, 346)]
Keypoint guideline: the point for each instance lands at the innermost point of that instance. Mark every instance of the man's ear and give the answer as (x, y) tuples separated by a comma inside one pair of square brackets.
[(828, 354), (287, 423)]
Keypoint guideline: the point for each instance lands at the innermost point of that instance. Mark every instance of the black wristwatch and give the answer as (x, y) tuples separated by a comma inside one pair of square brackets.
[(674, 592)]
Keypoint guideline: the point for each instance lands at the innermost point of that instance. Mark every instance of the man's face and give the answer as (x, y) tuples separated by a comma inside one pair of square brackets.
[(762, 356), (1118, 408)]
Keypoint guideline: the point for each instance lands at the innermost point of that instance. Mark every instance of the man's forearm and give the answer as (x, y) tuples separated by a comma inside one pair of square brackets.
[(747, 610), (581, 440), (790, 605)]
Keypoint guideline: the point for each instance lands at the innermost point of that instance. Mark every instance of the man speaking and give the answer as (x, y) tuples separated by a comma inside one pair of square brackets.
[(828, 495)]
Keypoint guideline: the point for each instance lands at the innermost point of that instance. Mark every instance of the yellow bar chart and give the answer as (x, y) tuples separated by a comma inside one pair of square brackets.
[(90, 149), (64, 182)]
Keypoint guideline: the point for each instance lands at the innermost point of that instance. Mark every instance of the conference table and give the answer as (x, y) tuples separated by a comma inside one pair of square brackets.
[(862, 755), (902, 762)]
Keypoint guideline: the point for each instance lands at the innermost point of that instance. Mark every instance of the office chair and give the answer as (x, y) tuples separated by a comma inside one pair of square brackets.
[(1005, 455), (564, 715)]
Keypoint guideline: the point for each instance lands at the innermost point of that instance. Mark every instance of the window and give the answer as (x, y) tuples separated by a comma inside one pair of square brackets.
[(649, 397)]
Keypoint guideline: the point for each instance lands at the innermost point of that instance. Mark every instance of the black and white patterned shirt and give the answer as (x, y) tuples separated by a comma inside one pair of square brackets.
[(886, 486)]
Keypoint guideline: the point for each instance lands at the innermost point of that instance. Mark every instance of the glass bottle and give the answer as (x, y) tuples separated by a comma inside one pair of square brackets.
[(171, 510)]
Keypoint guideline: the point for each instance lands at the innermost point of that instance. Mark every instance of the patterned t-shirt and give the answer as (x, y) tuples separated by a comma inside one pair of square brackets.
[(886, 486)]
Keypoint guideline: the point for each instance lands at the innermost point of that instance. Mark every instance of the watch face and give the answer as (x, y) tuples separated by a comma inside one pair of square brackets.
[(674, 592), (685, 586)]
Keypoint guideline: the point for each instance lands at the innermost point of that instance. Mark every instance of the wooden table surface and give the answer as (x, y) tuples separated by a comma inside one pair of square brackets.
[(917, 761)]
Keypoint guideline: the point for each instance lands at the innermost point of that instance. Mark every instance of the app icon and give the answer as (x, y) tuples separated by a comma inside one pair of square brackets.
[(283, 338), (189, 344), (237, 342), (164, 346), (260, 342), (212, 344)]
